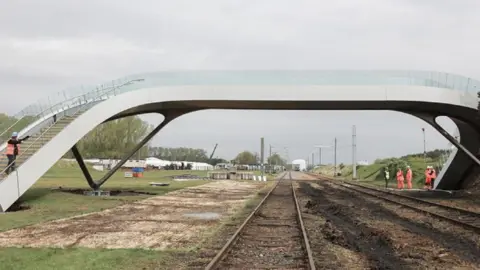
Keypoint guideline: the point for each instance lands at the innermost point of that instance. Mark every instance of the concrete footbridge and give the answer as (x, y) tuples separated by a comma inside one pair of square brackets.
[(60, 121)]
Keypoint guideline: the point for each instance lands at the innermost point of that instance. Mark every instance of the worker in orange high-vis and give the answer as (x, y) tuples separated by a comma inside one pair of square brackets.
[(400, 179), (427, 178), (409, 177), (13, 150), (433, 175)]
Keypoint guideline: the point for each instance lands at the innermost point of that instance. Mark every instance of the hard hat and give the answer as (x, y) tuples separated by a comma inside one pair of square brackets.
[(15, 134), (408, 166)]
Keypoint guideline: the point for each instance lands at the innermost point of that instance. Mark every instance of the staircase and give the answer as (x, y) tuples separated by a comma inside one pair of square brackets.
[(29, 147)]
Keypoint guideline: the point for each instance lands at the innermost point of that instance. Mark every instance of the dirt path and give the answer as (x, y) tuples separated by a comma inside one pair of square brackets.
[(348, 230), (179, 219)]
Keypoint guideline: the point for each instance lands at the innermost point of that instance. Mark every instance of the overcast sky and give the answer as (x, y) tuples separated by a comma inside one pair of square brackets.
[(47, 46)]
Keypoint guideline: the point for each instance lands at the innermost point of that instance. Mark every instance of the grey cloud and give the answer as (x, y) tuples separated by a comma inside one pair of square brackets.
[(52, 45)]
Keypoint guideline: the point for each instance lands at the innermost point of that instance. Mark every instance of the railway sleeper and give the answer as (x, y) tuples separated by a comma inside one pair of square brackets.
[(299, 266), (268, 238), (266, 224)]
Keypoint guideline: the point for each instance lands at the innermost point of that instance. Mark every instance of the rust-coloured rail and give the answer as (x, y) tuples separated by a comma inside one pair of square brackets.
[(224, 252), (458, 216)]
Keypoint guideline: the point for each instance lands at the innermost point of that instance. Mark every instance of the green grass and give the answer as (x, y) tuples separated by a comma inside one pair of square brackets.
[(46, 204), (373, 174), (86, 259)]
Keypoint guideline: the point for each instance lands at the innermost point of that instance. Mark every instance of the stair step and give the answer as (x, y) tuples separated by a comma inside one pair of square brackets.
[(39, 139)]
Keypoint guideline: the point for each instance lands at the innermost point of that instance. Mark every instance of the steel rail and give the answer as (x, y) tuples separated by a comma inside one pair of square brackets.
[(358, 187), (452, 208), (227, 247), (311, 262), (213, 263)]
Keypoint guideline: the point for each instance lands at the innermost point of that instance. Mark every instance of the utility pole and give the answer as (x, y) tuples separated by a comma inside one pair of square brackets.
[(335, 159), (424, 147), (269, 160), (320, 152), (319, 157), (270, 154), (262, 156), (313, 161), (354, 152)]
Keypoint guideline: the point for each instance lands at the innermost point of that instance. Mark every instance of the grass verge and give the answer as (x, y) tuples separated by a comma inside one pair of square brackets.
[(44, 204), (123, 259)]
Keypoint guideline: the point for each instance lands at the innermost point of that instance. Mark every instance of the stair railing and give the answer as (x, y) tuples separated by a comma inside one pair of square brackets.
[(98, 97), (63, 105)]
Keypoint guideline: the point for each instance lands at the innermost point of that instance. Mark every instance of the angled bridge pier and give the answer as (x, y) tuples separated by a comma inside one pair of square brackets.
[(462, 166), (95, 185), (425, 95)]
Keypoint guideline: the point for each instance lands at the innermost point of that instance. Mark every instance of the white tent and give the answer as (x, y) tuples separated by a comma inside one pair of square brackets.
[(197, 166), (155, 162), (301, 162)]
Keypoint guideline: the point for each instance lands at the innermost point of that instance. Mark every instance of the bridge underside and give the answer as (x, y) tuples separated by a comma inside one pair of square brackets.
[(460, 167), (175, 101)]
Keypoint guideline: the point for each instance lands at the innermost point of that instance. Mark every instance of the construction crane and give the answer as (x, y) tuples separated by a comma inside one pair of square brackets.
[(213, 152)]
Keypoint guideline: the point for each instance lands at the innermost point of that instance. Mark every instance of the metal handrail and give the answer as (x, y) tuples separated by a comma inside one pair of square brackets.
[(59, 103), (25, 151), (53, 124), (100, 93)]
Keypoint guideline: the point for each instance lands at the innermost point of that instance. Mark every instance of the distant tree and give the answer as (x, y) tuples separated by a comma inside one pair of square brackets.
[(246, 157), (276, 159), (179, 154), (115, 139), (189, 166), (216, 161), (478, 105)]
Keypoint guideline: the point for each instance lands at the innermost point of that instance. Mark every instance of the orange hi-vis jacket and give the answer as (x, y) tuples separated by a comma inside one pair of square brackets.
[(427, 175), (10, 150), (400, 176), (434, 174), (409, 175)]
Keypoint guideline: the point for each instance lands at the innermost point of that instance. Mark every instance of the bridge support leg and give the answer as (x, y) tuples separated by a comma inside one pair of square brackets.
[(459, 169), (97, 184), (83, 167)]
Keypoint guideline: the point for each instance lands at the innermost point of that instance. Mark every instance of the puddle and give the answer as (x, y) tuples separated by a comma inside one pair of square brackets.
[(204, 215)]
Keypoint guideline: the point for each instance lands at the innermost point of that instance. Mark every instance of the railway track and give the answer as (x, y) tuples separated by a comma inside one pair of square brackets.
[(458, 216), (273, 235)]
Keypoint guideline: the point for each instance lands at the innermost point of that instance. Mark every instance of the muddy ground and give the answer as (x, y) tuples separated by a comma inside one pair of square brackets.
[(350, 231), (179, 219)]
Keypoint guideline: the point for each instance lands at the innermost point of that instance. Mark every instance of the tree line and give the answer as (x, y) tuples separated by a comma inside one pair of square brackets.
[(114, 139), (249, 158)]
